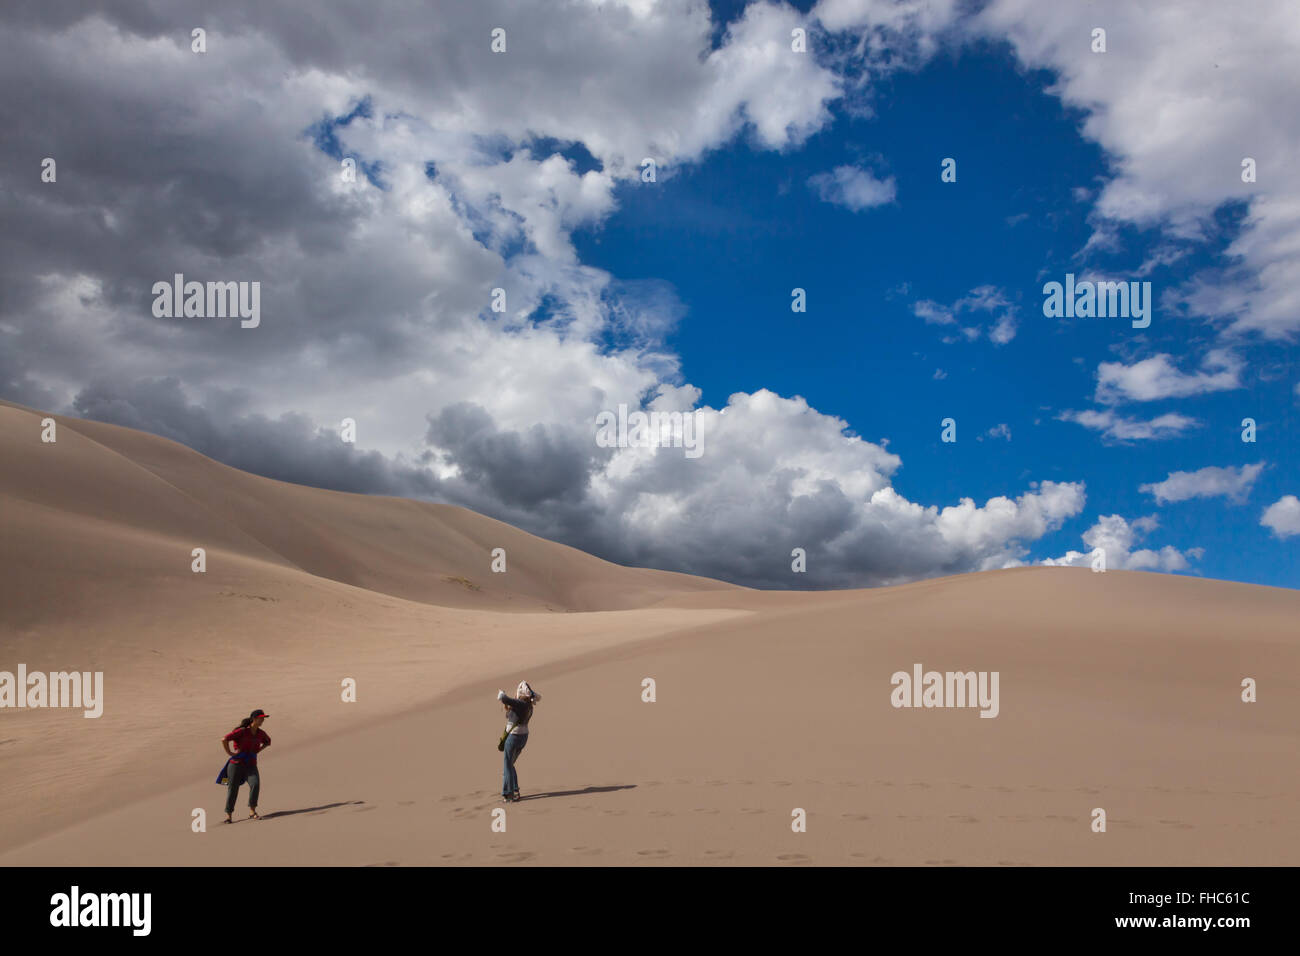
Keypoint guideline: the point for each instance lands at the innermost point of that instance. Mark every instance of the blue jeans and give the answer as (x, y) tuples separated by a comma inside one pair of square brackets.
[(514, 747)]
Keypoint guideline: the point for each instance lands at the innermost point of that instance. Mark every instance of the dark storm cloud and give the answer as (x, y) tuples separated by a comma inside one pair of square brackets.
[(523, 469), (290, 448)]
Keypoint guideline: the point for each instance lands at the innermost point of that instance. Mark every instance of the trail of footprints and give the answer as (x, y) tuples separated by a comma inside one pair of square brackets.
[(472, 804)]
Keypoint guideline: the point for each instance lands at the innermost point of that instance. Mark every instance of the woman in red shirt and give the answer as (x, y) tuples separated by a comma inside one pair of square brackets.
[(249, 738)]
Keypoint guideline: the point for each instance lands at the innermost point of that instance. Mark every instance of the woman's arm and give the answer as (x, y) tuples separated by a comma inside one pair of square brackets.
[(225, 745)]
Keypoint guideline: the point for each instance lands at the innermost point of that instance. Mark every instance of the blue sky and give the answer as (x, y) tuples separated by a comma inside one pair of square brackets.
[(736, 232)]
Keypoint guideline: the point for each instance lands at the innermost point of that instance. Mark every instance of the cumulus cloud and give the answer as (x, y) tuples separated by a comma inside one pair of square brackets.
[(1157, 377), (775, 474), (1166, 104), (1212, 482), (1282, 517), (889, 33), (853, 188), (1116, 537)]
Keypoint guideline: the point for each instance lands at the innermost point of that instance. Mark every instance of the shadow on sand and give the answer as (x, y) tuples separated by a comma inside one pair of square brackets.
[(324, 806), (575, 793)]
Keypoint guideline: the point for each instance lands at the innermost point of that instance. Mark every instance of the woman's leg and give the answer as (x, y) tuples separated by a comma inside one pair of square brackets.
[(254, 788), (233, 779), (523, 742), (507, 766)]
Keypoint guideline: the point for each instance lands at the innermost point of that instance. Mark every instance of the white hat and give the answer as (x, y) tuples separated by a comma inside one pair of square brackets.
[(523, 690)]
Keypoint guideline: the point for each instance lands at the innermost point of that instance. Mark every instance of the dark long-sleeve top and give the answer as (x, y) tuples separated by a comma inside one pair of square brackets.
[(521, 711)]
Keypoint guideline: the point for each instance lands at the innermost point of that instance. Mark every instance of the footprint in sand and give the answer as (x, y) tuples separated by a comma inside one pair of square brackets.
[(613, 813), (940, 862), (662, 813), (963, 818), (793, 858), (651, 852), (586, 850), (451, 799), (1177, 823), (405, 803), (716, 783), (855, 816), (783, 783), (751, 809), (385, 863), (719, 854), (705, 810), (518, 857)]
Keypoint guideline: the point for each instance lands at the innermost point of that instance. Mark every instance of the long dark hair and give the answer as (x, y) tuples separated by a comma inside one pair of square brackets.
[(245, 723)]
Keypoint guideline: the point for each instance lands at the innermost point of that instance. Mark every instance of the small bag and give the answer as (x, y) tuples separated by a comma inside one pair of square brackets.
[(501, 744)]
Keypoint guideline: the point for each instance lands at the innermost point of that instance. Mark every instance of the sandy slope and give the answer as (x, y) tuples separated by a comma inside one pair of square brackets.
[(1117, 690)]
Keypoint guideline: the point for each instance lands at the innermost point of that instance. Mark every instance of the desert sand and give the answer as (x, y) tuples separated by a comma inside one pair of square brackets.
[(1119, 691)]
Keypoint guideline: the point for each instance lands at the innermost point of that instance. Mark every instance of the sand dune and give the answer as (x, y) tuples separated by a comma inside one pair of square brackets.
[(435, 554), (1118, 690)]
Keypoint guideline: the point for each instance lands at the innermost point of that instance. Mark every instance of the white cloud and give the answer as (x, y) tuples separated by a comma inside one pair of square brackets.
[(1233, 483), (776, 470), (1156, 378), (1176, 103), (1117, 537), (987, 299), (1004, 331), (1119, 428), (933, 313), (853, 188), (1283, 516)]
